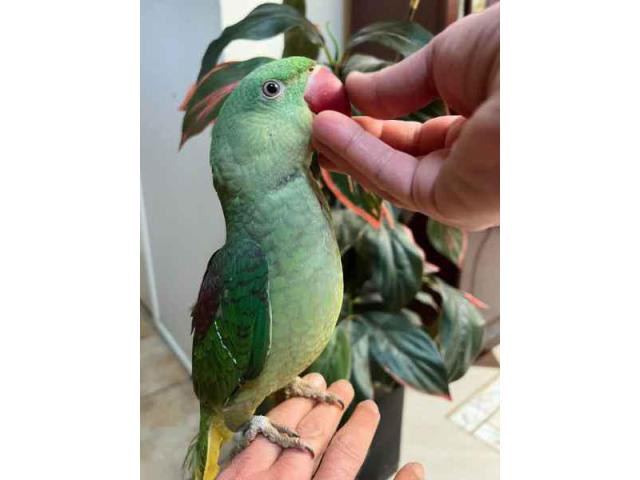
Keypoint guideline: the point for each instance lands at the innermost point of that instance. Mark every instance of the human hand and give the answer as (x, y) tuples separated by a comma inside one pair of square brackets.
[(338, 457), (448, 167)]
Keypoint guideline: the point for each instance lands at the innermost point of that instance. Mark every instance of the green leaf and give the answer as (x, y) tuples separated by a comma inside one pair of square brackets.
[(460, 331), (363, 63), (427, 299), (405, 351), (399, 35), (264, 21), (394, 262), (203, 103), (449, 241), (360, 359), (348, 227), (334, 363), (296, 42), (349, 193), (435, 109)]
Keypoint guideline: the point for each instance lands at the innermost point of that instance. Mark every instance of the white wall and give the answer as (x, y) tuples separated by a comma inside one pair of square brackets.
[(180, 211), (183, 215)]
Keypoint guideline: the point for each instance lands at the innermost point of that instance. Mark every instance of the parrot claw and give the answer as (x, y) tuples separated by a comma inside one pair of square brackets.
[(300, 388), (310, 450), (275, 433)]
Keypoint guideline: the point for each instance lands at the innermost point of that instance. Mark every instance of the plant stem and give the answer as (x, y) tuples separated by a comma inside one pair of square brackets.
[(413, 8), (332, 63), (334, 41)]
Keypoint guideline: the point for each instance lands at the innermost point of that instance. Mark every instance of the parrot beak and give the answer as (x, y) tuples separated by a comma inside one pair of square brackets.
[(326, 92)]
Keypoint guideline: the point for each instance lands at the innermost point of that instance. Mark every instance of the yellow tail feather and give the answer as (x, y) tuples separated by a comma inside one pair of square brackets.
[(218, 434)]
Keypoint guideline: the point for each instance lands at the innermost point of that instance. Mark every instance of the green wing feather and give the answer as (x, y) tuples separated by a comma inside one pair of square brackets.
[(231, 321)]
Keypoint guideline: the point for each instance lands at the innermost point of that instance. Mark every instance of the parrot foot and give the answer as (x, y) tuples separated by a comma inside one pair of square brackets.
[(278, 434), (300, 388)]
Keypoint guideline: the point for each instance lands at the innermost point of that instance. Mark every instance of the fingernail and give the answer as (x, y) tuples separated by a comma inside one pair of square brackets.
[(371, 405), (417, 470)]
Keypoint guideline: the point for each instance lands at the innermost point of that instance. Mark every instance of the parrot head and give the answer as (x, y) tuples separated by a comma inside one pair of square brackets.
[(282, 86), (265, 124)]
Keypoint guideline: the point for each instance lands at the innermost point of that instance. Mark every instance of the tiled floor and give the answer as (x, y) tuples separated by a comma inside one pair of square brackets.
[(455, 440), (446, 438), (168, 407)]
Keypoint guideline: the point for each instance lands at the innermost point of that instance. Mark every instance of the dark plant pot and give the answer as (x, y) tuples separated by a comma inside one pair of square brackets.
[(384, 455)]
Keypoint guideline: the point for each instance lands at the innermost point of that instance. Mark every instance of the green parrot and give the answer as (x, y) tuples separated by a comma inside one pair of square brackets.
[(271, 296)]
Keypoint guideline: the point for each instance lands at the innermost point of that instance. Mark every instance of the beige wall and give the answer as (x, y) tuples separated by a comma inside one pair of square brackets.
[(481, 273)]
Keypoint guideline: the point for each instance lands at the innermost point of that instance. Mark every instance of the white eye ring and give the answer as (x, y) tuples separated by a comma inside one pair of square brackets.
[(272, 89)]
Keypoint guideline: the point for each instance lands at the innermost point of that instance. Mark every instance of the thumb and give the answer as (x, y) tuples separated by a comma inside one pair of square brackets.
[(411, 471)]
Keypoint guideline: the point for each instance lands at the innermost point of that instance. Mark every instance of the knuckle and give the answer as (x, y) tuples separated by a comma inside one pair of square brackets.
[(352, 142), (382, 165), (316, 379), (311, 428)]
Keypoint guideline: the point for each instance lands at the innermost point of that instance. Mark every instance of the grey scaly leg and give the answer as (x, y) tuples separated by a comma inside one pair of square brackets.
[(278, 434)]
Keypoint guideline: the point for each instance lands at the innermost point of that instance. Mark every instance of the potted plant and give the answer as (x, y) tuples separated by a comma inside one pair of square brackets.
[(401, 324)]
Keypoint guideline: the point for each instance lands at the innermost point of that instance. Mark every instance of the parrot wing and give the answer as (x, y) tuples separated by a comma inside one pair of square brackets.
[(231, 321)]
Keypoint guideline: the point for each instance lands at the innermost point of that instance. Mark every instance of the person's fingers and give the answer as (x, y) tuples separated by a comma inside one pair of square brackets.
[(460, 65), (460, 185), (340, 166), (315, 429), (396, 90), (349, 446), (457, 184), (337, 164), (411, 471), (261, 454), (410, 137), (413, 138), (398, 134), (388, 169)]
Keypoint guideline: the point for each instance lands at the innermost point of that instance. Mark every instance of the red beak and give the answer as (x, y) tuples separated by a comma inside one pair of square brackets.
[(326, 92)]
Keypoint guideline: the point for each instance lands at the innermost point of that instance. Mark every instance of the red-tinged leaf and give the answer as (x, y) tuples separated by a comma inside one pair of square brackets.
[(360, 358), (363, 203), (435, 109), (334, 363), (449, 241), (187, 97), (475, 300), (460, 330), (204, 87), (426, 298), (392, 261), (430, 268), (203, 102), (399, 35), (363, 63), (348, 227), (296, 42), (400, 346), (264, 21)]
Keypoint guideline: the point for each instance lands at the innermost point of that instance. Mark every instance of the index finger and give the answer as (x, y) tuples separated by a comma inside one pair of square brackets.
[(384, 167)]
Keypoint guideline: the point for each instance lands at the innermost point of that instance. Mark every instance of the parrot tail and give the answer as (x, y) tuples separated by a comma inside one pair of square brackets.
[(202, 455)]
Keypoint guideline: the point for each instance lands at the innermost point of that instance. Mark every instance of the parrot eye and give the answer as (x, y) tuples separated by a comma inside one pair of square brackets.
[(271, 88)]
